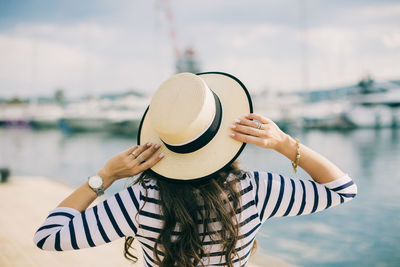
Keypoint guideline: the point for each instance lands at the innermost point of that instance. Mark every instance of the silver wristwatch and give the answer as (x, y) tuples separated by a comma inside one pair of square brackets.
[(96, 183)]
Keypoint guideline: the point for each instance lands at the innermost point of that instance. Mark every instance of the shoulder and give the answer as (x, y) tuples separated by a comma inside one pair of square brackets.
[(248, 182), (253, 176), (260, 180)]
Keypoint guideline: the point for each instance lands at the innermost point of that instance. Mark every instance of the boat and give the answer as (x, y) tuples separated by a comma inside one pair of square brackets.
[(117, 116), (14, 115), (45, 116), (85, 116), (125, 122), (368, 104), (378, 108), (325, 115)]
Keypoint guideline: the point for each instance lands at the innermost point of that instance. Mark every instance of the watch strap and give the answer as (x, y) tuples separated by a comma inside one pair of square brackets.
[(99, 191)]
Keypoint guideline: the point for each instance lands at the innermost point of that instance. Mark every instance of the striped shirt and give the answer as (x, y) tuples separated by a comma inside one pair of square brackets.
[(264, 195)]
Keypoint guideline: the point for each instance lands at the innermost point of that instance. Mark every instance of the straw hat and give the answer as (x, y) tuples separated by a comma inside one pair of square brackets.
[(189, 115)]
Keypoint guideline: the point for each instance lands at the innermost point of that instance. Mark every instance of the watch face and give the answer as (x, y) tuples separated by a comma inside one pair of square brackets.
[(95, 181)]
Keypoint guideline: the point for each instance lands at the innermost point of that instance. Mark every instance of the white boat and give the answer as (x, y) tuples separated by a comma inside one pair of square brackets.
[(125, 122), (377, 110), (44, 116), (377, 106), (120, 116), (88, 115), (14, 114), (370, 117), (325, 115)]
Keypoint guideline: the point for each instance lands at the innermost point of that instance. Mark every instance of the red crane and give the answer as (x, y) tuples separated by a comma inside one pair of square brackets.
[(186, 61)]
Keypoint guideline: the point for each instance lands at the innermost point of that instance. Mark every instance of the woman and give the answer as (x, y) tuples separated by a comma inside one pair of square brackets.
[(192, 205)]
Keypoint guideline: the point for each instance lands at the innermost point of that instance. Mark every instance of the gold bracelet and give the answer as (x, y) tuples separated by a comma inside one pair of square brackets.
[(297, 160)]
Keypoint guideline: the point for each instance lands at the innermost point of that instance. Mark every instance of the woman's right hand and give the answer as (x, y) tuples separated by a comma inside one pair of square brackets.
[(127, 163), (268, 136)]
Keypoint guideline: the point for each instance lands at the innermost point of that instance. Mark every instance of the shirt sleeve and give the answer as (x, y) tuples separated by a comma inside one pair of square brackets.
[(279, 196), (66, 228)]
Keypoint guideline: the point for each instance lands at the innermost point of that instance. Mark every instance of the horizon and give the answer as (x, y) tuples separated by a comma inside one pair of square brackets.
[(105, 94)]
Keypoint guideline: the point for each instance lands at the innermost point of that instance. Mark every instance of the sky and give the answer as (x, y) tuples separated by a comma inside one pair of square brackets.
[(97, 46)]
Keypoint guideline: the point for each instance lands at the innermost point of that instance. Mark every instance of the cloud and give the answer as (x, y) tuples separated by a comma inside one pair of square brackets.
[(392, 40), (384, 10), (36, 65), (129, 46), (84, 59), (272, 56), (256, 34)]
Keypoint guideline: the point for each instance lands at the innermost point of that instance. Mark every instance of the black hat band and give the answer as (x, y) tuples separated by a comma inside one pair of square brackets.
[(206, 137)]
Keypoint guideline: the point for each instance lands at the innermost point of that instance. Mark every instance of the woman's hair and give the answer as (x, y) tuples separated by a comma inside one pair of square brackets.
[(189, 209)]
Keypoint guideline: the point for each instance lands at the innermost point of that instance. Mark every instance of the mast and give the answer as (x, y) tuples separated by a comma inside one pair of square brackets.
[(304, 45)]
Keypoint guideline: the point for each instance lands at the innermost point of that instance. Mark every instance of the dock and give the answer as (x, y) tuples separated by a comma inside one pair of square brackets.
[(25, 203)]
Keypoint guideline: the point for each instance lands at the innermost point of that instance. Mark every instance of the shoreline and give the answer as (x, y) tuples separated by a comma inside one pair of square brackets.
[(26, 201)]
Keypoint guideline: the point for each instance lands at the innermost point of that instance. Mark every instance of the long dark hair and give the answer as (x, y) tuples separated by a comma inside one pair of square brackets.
[(191, 207)]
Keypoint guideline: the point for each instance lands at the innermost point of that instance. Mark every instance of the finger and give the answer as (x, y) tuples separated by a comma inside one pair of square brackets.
[(148, 152), (248, 139), (247, 130), (260, 118), (131, 149), (138, 150), (151, 161), (142, 148), (247, 122)]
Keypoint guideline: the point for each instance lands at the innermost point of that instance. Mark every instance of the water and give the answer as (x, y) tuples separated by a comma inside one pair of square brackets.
[(362, 232)]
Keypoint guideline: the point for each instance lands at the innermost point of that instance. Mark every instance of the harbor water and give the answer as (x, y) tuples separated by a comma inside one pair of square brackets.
[(362, 232)]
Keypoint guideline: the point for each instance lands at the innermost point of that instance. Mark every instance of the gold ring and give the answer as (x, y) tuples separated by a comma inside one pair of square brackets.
[(133, 154)]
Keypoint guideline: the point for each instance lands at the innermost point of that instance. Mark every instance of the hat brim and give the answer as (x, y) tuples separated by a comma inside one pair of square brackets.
[(220, 152)]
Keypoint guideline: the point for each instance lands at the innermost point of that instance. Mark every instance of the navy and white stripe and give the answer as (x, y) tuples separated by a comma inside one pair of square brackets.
[(264, 195), (281, 196)]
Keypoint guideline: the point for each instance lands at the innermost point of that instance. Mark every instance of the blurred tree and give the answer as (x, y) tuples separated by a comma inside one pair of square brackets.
[(59, 96), (16, 100)]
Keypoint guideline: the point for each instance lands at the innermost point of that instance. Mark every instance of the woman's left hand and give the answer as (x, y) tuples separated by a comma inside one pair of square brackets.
[(265, 134), (131, 162)]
